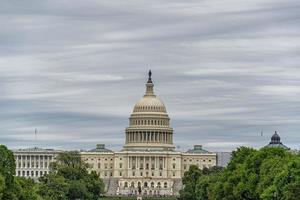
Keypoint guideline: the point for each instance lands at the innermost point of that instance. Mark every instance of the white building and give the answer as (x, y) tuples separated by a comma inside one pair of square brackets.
[(148, 160), (34, 162)]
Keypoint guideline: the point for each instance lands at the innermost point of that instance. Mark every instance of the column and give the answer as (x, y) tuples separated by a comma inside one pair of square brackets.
[(21, 162), (128, 165), (136, 163), (144, 166)]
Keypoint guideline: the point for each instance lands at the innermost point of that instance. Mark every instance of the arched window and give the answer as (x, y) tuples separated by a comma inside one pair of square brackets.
[(145, 184), (132, 184), (165, 185), (152, 184), (125, 185), (158, 185), (139, 184)]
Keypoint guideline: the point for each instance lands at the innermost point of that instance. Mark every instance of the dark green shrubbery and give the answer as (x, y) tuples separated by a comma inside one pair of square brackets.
[(266, 174)]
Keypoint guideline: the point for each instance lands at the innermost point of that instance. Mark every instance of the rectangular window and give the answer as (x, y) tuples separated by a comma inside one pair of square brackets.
[(160, 166)]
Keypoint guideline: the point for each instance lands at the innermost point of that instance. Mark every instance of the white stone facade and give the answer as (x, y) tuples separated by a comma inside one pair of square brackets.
[(148, 161), (34, 162)]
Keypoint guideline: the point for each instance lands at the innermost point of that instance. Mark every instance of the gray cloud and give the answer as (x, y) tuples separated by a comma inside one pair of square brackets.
[(226, 70)]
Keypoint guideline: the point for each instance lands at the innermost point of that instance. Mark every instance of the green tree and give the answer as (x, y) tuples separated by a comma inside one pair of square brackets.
[(2, 186), (190, 181), (265, 174), (208, 176), (69, 179), (7, 171), (25, 189), (7, 165)]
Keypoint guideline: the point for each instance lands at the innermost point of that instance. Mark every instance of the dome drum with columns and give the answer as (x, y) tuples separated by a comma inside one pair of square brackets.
[(149, 124)]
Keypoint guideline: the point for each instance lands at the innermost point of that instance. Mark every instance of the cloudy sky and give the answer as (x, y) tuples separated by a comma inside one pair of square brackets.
[(226, 70)]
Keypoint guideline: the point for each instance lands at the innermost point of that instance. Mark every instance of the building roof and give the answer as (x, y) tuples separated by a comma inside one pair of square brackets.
[(100, 148), (36, 149), (275, 142), (197, 149)]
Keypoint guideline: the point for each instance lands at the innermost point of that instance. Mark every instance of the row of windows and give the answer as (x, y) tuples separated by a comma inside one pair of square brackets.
[(147, 166), (191, 160), (159, 108), (99, 159), (33, 157), (31, 173), (92, 165), (145, 185), (149, 122), (147, 173), (33, 165)]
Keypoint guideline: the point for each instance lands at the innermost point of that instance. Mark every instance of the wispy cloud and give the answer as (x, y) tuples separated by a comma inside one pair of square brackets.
[(226, 70)]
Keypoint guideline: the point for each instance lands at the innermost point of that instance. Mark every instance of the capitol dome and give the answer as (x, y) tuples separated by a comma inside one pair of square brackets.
[(149, 123), (149, 104)]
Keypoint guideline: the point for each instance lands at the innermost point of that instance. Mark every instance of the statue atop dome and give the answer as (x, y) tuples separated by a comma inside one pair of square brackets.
[(149, 86), (149, 77)]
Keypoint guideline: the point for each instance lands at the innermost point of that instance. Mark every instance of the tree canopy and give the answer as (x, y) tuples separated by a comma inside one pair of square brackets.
[(11, 187), (266, 174), (69, 179)]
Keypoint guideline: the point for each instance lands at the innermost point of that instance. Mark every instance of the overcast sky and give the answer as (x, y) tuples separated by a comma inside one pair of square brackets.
[(225, 69)]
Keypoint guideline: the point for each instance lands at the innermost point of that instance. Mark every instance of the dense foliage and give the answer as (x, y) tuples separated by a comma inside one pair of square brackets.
[(11, 187), (266, 174), (69, 179)]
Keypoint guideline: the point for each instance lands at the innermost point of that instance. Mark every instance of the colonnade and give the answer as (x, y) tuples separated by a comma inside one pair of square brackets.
[(149, 136), (32, 165)]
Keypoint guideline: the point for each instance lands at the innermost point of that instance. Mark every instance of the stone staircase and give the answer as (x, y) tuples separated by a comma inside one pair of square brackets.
[(111, 186)]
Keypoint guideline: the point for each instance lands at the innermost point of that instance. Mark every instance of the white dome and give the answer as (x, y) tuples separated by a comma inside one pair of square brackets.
[(149, 104)]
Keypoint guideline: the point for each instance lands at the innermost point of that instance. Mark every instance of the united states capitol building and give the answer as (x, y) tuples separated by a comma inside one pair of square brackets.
[(148, 161)]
